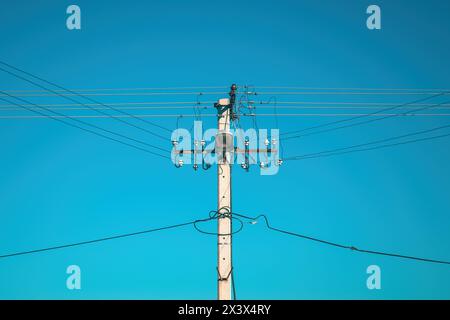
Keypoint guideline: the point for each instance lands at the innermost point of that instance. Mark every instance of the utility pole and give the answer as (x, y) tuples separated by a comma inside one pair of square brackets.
[(225, 152), (224, 227)]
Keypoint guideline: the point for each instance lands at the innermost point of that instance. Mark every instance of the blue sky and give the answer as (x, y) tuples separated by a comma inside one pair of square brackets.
[(61, 185)]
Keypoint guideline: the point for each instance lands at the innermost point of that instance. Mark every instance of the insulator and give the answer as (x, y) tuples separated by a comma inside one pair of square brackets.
[(202, 142), (195, 142), (246, 142), (280, 162), (266, 142), (243, 165), (174, 142), (180, 162), (274, 141), (262, 164), (195, 166)]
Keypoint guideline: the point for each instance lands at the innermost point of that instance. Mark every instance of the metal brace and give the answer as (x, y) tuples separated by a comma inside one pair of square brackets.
[(220, 276)]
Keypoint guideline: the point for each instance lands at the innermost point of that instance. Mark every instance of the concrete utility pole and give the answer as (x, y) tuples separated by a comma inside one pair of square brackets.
[(225, 152), (224, 262)]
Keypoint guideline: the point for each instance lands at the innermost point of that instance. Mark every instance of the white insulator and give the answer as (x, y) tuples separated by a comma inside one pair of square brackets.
[(202, 142), (280, 162), (266, 142), (246, 142), (274, 141), (262, 164), (174, 142), (180, 162)]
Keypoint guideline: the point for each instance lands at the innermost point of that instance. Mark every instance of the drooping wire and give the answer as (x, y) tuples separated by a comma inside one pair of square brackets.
[(372, 148), (83, 123), (216, 214), (358, 117), (95, 240), (82, 96), (314, 155), (338, 245), (211, 217)]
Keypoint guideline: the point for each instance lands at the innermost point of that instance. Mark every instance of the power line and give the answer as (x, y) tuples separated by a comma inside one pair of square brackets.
[(122, 108), (350, 93), (120, 94), (214, 115), (353, 118), (125, 235), (225, 88), (123, 89), (372, 148), (215, 216), (87, 124), (371, 143), (95, 240), (206, 105), (120, 103), (406, 114), (303, 103), (108, 117), (87, 98), (341, 107), (361, 116), (350, 88), (338, 245)]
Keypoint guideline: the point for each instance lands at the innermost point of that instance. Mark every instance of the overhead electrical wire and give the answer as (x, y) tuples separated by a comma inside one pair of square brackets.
[(108, 117), (350, 93), (357, 117), (226, 87), (367, 149), (406, 114), (157, 115), (371, 143), (350, 88), (214, 215), (362, 116), (21, 253), (125, 235), (121, 89), (363, 103), (188, 103), (120, 94), (102, 108), (338, 245), (82, 96), (62, 116), (207, 104)]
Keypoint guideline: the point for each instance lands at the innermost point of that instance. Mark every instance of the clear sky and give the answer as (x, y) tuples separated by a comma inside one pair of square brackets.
[(61, 185)]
